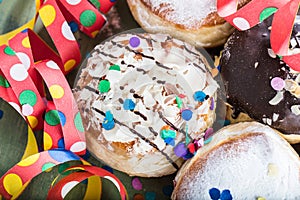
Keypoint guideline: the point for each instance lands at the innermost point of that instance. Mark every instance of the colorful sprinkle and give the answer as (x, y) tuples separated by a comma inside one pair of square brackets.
[(134, 42), (87, 18), (212, 104), (199, 96), (208, 133), (179, 102), (170, 141), (180, 150), (192, 148), (186, 114), (214, 193), (108, 122), (128, 104), (137, 184), (277, 83), (115, 67), (225, 195), (167, 133), (150, 195), (104, 86)]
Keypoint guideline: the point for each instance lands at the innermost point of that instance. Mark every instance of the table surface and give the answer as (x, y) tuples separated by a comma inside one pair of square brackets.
[(12, 125)]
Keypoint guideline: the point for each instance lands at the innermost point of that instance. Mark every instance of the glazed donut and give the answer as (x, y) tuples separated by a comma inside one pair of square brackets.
[(195, 21), (258, 83), (246, 160), (139, 95)]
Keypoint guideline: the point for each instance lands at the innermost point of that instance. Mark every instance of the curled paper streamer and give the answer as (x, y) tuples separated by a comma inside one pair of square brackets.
[(255, 11)]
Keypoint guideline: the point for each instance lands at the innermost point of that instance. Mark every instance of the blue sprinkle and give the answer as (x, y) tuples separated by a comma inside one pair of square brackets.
[(214, 193), (74, 26), (219, 68), (170, 141), (1, 114), (199, 96), (168, 190), (186, 114), (128, 104), (108, 168), (150, 195), (109, 116), (180, 150), (108, 125), (61, 143), (225, 195)]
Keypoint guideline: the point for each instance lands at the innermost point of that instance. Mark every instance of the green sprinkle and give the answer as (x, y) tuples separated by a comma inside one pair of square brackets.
[(104, 86), (179, 102), (115, 67), (167, 134)]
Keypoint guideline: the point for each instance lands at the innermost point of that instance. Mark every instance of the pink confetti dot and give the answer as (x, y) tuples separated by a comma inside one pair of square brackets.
[(277, 83), (137, 184)]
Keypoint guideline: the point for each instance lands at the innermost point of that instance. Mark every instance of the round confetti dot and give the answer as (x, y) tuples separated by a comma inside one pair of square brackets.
[(186, 114), (87, 18), (78, 147), (47, 14), (18, 72), (136, 184), (96, 3), (24, 58), (69, 65), (52, 117), (47, 141), (26, 42), (33, 121), (115, 67), (267, 12), (199, 96), (277, 83), (74, 26), (56, 91), (62, 118), (12, 183), (241, 23), (4, 82), (68, 187), (9, 51), (78, 122), (150, 195), (214, 193), (28, 97), (62, 155), (1, 114), (138, 197), (134, 42), (104, 86), (61, 143), (168, 190), (113, 181), (27, 109), (47, 167), (29, 160), (73, 2), (51, 64), (66, 31)]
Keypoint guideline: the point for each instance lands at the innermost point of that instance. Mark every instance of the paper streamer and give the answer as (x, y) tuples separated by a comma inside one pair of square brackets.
[(255, 11)]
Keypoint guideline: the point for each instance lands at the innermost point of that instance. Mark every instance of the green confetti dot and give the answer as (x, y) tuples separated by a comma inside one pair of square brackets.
[(4, 82), (115, 67), (28, 97), (266, 13), (47, 166), (9, 51), (104, 86), (96, 3), (87, 18), (52, 117), (78, 122)]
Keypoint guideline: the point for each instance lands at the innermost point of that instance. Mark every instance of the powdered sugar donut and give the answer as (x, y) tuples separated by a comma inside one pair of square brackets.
[(140, 95), (194, 21)]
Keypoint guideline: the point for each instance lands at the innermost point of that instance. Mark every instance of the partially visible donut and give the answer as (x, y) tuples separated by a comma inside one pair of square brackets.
[(258, 83), (140, 95), (194, 21)]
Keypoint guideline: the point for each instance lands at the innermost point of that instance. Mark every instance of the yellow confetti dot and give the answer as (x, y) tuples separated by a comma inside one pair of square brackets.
[(47, 141), (56, 91), (33, 121), (94, 33), (48, 14), (29, 161), (25, 42), (12, 183), (69, 65)]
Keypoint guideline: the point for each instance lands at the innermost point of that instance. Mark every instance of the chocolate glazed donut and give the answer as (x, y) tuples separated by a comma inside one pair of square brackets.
[(258, 83)]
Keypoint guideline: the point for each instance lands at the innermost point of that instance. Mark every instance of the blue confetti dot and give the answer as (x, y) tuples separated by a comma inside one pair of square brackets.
[(128, 104), (150, 195), (186, 114), (168, 190), (199, 96), (74, 26), (1, 114), (225, 195), (214, 193), (62, 155), (62, 118), (61, 143), (108, 168), (219, 68)]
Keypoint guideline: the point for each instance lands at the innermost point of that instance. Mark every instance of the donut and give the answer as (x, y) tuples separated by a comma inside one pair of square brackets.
[(140, 96), (195, 21), (258, 83), (247, 160)]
